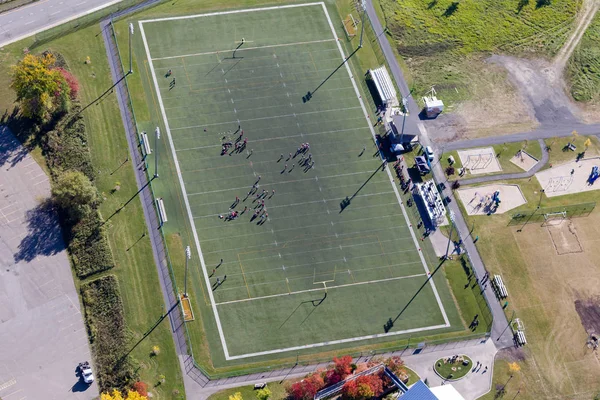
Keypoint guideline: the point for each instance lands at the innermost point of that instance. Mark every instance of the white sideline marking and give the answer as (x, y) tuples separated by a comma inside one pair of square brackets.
[(185, 196), (333, 342), (404, 213), (245, 48), (188, 208), (319, 289)]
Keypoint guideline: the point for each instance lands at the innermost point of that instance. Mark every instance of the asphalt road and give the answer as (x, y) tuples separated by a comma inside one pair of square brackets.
[(28, 20), (501, 335), (42, 334)]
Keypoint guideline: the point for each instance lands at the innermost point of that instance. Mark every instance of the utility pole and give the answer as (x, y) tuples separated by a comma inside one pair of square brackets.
[(404, 103), (188, 255), (452, 216), (362, 23), (156, 137), (130, 52)]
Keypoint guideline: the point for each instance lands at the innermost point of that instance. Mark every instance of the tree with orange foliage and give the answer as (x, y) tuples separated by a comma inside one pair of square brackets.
[(141, 388), (363, 387)]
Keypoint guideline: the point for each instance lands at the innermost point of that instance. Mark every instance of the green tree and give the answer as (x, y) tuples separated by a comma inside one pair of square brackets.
[(41, 90), (73, 192), (263, 394)]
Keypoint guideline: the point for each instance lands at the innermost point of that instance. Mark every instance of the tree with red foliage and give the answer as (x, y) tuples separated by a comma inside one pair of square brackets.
[(307, 387), (71, 81), (363, 387), (396, 365), (343, 366), (141, 388)]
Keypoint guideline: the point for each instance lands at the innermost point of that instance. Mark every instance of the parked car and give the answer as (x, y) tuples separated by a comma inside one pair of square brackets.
[(429, 153)]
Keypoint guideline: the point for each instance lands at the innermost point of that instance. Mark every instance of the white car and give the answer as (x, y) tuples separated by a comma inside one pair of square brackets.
[(429, 153), (86, 372)]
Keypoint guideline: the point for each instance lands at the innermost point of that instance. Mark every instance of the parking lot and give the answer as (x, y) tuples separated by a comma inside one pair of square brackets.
[(42, 334)]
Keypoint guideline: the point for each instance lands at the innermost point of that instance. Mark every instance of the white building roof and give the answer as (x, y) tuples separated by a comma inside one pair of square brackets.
[(384, 85), (446, 392)]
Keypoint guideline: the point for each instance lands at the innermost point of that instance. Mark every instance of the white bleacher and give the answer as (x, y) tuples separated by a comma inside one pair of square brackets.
[(433, 201), (499, 287)]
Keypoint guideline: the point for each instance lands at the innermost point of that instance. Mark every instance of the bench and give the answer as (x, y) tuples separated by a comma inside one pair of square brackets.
[(499, 287), (520, 338)]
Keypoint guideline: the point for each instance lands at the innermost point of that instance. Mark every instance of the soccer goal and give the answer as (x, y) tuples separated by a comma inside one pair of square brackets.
[(350, 26), (554, 218)]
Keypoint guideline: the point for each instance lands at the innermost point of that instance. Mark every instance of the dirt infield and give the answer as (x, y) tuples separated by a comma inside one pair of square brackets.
[(564, 237), (479, 161), (568, 178), (479, 200), (524, 160)]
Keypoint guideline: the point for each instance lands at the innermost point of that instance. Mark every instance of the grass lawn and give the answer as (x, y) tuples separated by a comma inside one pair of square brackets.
[(443, 42), (504, 153), (560, 155), (135, 269), (583, 69), (206, 344), (452, 371), (543, 288), (248, 393)]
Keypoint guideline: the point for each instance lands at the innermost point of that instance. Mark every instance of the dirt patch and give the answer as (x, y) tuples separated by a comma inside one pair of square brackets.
[(542, 88), (564, 237), (524, 160), (495, 107), (589, 313), (512, 354)]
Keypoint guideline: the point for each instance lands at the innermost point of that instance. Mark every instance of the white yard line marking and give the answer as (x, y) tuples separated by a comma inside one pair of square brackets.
[(276, 117), (404, 213), (185, 196), (320, 289), (244, 48), (280, 183)]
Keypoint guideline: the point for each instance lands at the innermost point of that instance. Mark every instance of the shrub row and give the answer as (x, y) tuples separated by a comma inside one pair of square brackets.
[(89, 246), (107, 332)]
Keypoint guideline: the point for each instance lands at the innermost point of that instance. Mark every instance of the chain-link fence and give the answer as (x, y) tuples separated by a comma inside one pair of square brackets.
[(539, 215), (148, 197)]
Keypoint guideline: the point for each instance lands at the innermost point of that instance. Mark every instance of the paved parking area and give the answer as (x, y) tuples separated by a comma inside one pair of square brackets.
[(42, 334)]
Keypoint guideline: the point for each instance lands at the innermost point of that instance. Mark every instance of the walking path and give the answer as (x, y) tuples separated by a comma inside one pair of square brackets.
[(519, 175), (197, 385), (502, 336)]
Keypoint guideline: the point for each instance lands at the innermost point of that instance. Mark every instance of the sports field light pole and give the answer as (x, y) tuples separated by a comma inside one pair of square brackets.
[(452, 216), (188, 255), (156, 137), (130, 53)]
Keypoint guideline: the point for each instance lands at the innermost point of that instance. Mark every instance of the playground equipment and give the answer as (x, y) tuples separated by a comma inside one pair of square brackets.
[(593, 175), (496, 198)]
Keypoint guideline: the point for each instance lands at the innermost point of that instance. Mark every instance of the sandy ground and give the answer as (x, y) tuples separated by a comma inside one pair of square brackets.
[(524, 160), (479, 161), (478, 200), (558, 180)]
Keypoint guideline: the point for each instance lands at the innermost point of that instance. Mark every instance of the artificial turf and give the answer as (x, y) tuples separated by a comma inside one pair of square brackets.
[(312, 272)]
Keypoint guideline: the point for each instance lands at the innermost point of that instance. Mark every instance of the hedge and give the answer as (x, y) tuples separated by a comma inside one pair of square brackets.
[(107, 332), (89, 247)]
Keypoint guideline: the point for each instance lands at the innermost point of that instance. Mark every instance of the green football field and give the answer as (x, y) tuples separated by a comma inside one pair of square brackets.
[(330, 257)]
